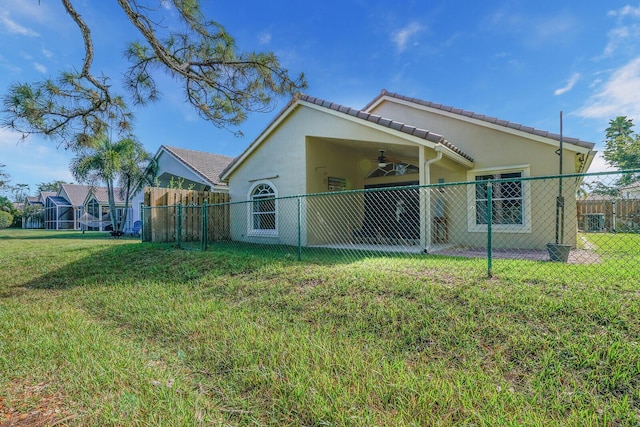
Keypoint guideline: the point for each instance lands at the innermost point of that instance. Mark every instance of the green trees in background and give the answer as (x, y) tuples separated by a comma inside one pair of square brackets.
[(622, 147)]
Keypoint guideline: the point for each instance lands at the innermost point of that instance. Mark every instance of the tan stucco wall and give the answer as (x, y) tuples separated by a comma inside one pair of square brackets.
[(491, 148), (488, 147)]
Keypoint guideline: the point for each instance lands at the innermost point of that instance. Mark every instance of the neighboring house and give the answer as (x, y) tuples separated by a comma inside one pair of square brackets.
[(64, 209), (316, 146), (49, 220), (73, 207), (59, 214), (75, 195), (37, 219), (190, 169), (96, 205)]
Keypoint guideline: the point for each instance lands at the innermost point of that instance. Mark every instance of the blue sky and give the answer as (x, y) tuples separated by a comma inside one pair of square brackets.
[(517, 60)]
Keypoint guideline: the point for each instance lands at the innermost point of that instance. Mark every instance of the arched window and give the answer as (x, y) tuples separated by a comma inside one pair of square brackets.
[(394, 169), (263, 209)]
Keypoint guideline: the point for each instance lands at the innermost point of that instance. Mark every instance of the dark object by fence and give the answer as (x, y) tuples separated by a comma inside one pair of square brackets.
[(558, 252)]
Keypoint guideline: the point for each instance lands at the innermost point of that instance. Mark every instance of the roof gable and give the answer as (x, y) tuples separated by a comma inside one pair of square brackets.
[(358, 115), (45, 194), (101, 195), (208, 166), (390, 96), (74, 193)]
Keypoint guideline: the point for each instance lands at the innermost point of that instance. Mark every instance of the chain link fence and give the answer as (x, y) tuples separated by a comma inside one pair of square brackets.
[(570, 227)]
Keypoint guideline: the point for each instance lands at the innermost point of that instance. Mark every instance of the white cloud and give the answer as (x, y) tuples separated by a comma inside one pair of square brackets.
[(570, 84), (619, 37), (402, 36), (38, 11), (532, 31), (624, 34), (47, 53), (13, 27), (550, 30), (625, 11), (264, 38), (40, 68), (618, 96), (595, 83)]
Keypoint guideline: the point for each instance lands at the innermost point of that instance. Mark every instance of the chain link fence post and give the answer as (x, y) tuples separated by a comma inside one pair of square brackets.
[(205, 225), (179, 225), (489, 229), (299, 228)]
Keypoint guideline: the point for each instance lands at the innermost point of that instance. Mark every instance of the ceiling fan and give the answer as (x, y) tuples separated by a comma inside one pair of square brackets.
[(382, 160)]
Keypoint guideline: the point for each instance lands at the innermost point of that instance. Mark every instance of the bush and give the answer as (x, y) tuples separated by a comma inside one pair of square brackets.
[(6, 219)]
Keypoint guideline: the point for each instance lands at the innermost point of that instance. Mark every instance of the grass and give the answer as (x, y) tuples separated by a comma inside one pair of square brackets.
[(117, 332)]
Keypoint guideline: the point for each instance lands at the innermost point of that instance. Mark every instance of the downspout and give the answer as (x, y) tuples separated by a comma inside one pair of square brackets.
[(426, 215)]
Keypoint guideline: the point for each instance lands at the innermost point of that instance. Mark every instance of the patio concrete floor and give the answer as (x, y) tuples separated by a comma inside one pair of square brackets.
[(576, 256)]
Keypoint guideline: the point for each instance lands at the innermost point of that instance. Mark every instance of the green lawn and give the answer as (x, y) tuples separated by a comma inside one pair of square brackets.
[(99, 331)]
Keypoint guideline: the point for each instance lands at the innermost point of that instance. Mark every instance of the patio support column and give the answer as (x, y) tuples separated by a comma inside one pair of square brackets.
[(425, 196), (423, 180)]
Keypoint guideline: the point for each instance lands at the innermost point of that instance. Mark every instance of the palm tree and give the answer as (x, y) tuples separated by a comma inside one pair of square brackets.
[(20, 191), (619, 127), (622, 148), (137, 170), (102, 160)]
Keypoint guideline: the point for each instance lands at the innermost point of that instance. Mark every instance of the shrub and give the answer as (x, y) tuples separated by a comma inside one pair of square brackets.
[(6, 219)]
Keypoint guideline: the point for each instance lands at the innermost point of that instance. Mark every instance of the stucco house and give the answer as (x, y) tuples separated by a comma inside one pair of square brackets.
[(315, 146), (191, 169)]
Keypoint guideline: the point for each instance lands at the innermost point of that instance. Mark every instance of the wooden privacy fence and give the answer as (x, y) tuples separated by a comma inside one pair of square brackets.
[(184, 216), (609, 215)]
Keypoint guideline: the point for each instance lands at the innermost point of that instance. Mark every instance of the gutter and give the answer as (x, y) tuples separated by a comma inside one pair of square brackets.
[(425, 217)]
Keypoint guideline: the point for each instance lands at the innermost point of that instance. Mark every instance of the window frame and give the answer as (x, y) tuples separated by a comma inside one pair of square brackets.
[(261, 232), (472, 201)]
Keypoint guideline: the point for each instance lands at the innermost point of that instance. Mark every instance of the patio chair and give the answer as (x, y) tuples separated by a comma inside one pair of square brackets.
[(137, 226)]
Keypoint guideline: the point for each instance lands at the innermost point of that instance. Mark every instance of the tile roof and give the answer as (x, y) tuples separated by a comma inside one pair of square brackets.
[(76, 193), (482, 117), (392, 124), (100, 193), (389, 123), (208, 165), (45, 194)]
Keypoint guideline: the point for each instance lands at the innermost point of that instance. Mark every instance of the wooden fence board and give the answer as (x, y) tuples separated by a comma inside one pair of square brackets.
[(161, 218), (616, 213)]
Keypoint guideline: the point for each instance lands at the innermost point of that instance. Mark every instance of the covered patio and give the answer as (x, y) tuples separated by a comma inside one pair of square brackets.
[(384, 214)]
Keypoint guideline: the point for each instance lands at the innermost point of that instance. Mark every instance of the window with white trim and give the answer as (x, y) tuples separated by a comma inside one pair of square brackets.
[(507, 200), (510, 200), (263, 209)]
